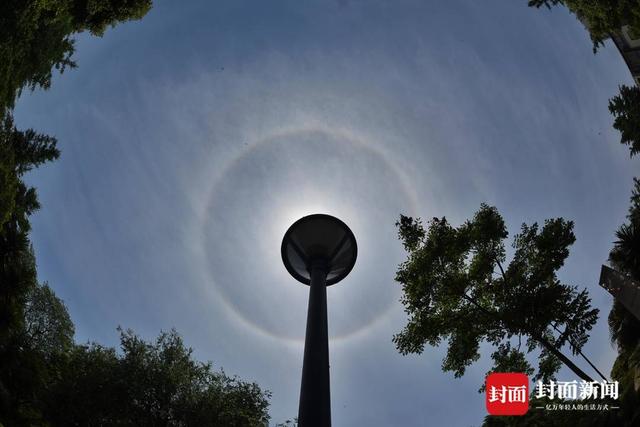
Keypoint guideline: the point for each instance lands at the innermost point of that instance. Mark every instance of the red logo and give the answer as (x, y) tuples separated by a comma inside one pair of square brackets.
[(507, 394)]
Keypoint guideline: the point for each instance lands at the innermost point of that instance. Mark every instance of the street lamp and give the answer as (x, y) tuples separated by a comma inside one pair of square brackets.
[(318, 250)]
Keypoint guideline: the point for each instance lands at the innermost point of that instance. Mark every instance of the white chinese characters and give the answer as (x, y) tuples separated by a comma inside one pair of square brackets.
[(575, 390), (508, 394)]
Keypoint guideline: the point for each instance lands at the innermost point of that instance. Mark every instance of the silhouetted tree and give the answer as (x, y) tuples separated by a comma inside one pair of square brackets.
[(22, 151), (625, 333), (36, 37), (602, 17), (625, 108), (34, 357), (456, 288), (624, 326), (22, 370), (151, 384), (46, 380), (47, 325), (53, 382)]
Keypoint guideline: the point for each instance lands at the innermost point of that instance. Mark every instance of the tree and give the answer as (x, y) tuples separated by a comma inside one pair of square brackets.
[(53, 382), (48, 328), (34, 356), (625, 107), (97, 15), (624, 326), (22, 371), (603, 17), (23, 150), (455, 288), (8, 183), (36, 37), (151, 384), (625, 333), (44, 378)]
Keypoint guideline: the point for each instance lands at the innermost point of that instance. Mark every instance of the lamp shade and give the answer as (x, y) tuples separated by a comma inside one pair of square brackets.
[(319, 237)]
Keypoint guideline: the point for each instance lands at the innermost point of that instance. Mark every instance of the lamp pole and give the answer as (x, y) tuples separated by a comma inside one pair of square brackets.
[(318, 250), (315, 398)]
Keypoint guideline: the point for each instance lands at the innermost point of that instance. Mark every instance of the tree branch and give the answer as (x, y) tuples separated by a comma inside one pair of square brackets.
[(538, 337)]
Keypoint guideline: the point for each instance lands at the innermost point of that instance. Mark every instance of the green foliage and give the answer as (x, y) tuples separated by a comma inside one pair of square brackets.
[(546, 3), (35, 356), (34, 40), (56, 383), (97, 15), (624, 326), (47, 326), (8, 183), (625, 108), (22, 151), (45, 379), (625, 257), (602, 17), (456, 289), (36, 37), (23, 370), (151, 384)]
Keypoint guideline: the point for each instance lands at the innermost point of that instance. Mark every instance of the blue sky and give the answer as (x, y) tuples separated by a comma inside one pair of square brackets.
[(192, 139)]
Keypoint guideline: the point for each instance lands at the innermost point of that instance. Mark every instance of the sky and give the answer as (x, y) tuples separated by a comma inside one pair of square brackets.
[(192, 139)]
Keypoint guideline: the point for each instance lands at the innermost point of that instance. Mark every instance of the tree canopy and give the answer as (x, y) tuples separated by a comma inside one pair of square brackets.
[(456, 288), (22, 151), (625, 108), (151, 384), (625, 334), (602, 17), (45, 378), (50, 381), (624, 326), (36, 37)]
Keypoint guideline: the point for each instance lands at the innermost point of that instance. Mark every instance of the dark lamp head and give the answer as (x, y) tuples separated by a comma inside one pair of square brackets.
[(322, 241)]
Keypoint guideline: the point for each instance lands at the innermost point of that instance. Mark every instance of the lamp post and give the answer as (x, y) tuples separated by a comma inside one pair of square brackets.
[(318, 250)]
